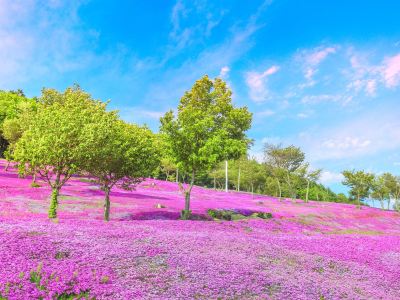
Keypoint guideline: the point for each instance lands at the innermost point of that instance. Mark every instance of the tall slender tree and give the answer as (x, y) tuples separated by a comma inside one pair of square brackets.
[(311, 176), (206, 130)]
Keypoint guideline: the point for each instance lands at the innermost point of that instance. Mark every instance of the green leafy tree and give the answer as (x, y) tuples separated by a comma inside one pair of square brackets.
[(285, 164), (54, 143), (342, 198), (252, 174), (311, 176), (217, 175), (359, 183), (380, 190), (10, 104), (168, 167), (206, 130), (393, 185), (121, 154), (14, 126)]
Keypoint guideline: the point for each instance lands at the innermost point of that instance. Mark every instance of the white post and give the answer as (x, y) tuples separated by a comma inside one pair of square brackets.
[(226, 176)]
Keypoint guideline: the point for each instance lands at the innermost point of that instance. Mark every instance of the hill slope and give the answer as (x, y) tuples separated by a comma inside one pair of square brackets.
[(306, 251)]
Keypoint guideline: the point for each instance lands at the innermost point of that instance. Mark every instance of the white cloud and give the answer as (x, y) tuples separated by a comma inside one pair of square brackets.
[(366, 77), (314, 99), (191, 23), (391, 71), (305, 115), (257, 83), (310, 60), (368, 134), (346, 143), (328, 177), (209, 61), (224, 72), (318, 55), (370, 88), (265, 113)]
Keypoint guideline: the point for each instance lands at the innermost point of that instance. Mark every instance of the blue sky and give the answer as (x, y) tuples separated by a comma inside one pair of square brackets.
[(323, 75)]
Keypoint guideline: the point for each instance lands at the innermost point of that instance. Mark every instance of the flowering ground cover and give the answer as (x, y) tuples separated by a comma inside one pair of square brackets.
[(310, 250)]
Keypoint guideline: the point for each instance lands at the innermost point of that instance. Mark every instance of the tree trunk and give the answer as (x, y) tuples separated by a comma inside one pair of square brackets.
[(382, 204), (107, 204), (292, 193), (186, 213), (358, 201), (226, 176), (54, 203), (7, 165), (252, 191), (238, 185), (308, 188), (215, 183), (177, 175), (34, 178), (280, 190)]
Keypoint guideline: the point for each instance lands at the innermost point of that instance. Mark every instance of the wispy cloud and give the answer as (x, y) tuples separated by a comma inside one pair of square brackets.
[(40, 39), (224, 72), (192, 22), (257, 83), (391, 71), (310, 59), (211, 60)]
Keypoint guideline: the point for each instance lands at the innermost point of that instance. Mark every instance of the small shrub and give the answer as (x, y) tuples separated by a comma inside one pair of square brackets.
[(225, 214), (35, 185), (264, 215)]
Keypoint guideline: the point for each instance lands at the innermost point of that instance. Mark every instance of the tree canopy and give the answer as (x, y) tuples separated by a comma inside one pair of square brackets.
[(55, 144), (207, 129)]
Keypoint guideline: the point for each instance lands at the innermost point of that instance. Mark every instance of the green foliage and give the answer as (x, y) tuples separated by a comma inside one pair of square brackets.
[(286, 165), (232, 215), (342, 198), (381, 189), (12, 104), (263, 215), (55, 143), (359, 183), (392, 183), (206, 130), (35, 185), (119, 154), (225, 214)]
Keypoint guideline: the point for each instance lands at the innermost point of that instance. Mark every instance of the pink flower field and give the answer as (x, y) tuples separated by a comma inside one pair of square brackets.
[(313, 250)]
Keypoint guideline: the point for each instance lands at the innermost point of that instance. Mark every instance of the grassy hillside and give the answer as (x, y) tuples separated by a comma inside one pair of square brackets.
[(313, 250)]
